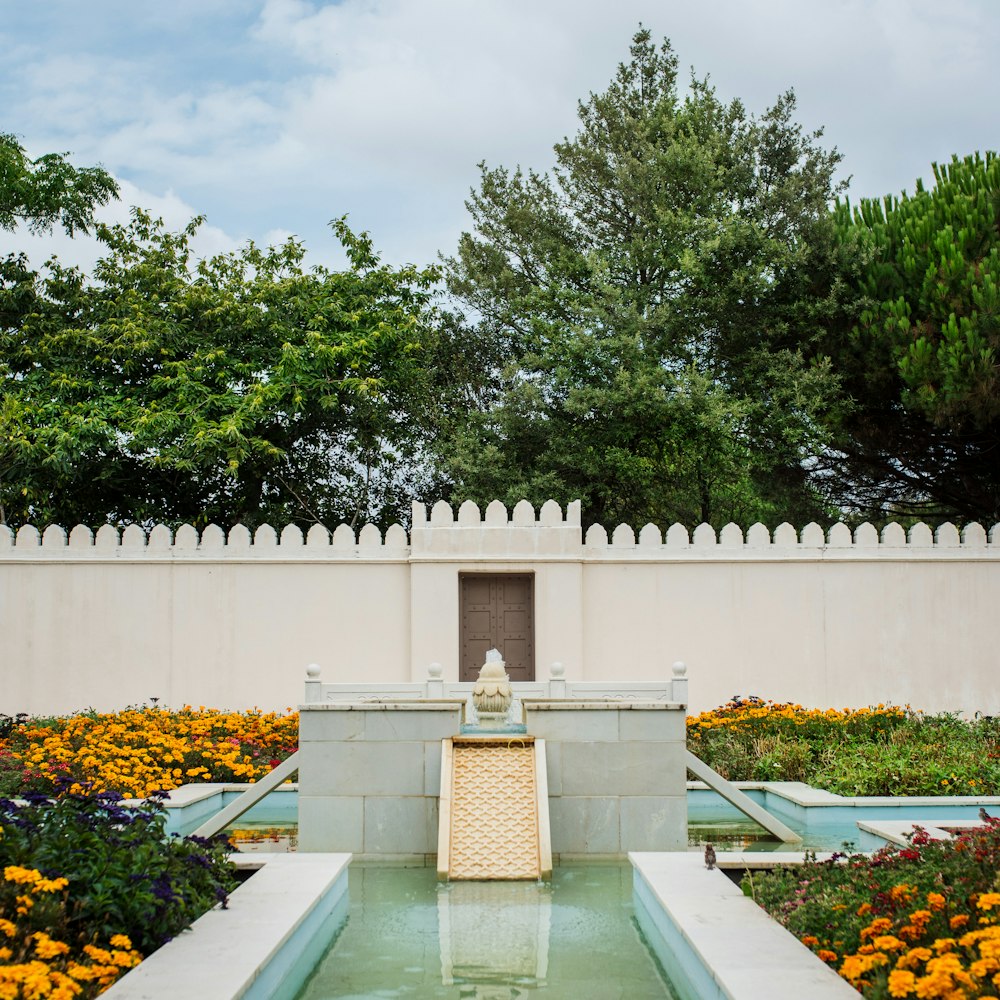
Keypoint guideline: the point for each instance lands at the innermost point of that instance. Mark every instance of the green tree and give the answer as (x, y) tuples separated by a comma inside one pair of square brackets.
[(920, 367), (41, 193), (240, 388), (652, 300)]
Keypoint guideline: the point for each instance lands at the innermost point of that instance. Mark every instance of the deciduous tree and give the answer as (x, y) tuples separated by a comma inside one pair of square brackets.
[(240, 388)]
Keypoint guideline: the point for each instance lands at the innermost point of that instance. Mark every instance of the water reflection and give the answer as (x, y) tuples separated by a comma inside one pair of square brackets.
[(409, 936), (494, 932)]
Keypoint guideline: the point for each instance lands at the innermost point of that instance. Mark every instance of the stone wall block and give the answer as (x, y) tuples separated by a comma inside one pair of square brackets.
[(623, 536), (318, 537), (893, 535), (946, 536), (524, 513), (866, 536), (650, 537), (468, 513), (291, 537), (496, 513), (54, 537), (731, 536), (785, 536), (812, 536), (677, 537)]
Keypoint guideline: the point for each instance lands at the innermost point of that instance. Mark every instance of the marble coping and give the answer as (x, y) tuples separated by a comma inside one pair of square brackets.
[(718, 944), (262, 946)]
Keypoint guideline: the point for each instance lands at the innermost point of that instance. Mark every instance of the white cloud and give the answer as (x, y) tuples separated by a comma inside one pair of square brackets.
[(382, 108)]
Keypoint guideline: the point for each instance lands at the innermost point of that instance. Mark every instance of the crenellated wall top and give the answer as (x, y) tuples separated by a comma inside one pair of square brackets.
[(498, 533)]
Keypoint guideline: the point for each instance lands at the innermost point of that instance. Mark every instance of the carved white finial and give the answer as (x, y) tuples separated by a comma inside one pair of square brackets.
[(492, 693), (313, 671), (679, 668), (434, 670), (557, 670)]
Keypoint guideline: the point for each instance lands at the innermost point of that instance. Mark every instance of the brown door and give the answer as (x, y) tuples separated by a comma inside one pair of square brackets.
[(497, 612)]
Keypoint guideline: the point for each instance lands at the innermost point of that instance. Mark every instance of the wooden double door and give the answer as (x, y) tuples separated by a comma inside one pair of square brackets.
[(497, 611)]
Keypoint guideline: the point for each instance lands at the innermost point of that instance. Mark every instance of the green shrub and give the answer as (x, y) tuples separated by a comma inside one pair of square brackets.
[(125, 875)]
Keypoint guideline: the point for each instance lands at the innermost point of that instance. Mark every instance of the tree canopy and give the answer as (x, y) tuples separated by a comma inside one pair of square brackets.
[(920, 366), (236, 388), (652, 299), (41, 193)]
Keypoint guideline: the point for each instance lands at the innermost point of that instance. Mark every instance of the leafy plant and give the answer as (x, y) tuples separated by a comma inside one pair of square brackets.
[(883, 750), (913, 921), (125, 876)]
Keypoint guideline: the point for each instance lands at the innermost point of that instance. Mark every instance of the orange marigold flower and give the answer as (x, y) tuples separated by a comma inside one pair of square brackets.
[(988, 900), (826, 955), (959, 920), (902, 983), (935, 900), (809, 940), (913, 958), (864, 909), (887, 942)]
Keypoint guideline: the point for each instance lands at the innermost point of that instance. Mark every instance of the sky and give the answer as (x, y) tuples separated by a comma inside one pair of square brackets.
[(272, 117)]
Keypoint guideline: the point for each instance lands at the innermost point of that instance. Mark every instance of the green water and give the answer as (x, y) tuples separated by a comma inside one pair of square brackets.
[(409, 936)]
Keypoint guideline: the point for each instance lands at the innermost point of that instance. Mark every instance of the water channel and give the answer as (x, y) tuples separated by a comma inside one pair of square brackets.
[(410, 936)]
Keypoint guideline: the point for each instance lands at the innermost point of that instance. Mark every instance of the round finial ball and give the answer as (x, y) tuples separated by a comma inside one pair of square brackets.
[(557, 669), (313, 671), (434, 670), (680, 668)]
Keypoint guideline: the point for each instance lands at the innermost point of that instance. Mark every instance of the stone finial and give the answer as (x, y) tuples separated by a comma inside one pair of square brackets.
[(313, 671), (492, 693), (434, 670), (679, 668)]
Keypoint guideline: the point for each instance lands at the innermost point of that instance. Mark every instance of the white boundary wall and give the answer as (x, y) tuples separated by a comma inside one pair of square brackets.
[(822, 618)]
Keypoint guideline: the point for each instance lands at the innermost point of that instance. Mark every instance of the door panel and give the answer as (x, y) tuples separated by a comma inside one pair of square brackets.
[(497, 612)]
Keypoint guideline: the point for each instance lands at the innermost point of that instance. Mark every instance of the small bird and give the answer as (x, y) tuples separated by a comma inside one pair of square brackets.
[(984, 815), (709, 857)]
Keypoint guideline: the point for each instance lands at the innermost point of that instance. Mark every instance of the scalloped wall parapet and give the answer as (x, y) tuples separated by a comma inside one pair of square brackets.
[(496, 532)]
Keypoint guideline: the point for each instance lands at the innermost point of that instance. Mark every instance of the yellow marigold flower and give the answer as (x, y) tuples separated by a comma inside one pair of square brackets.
[(121, 941), (826, 955), (21, 876), (50, 884), (24, 903), (901, 983), (46, 947), (988, 900), (920, 917), (7, 927), (5, 954), (97, 954), (902, 891), (81, 973), (935, 900)]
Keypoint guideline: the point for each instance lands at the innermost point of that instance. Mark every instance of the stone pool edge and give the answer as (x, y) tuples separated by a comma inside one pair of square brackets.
[(262, 947), (717, 944)]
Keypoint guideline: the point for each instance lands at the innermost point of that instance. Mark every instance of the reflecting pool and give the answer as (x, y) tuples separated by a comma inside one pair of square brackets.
[(408, 935)]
